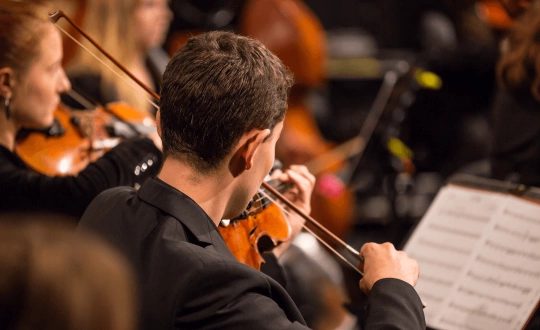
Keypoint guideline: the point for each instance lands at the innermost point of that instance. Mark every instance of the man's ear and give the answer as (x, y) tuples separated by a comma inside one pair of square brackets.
[(7, 81), (252, 144), (158, 121)]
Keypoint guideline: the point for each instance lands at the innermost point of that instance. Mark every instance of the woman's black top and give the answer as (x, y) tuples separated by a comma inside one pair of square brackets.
[(23, 189)]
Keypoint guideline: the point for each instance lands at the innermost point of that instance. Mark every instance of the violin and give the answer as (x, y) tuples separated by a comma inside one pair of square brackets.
[(263, 223), (80, 137)]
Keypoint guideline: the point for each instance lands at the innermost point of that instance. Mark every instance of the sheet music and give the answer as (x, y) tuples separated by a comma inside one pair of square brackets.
[(499, 286), (446, 238)]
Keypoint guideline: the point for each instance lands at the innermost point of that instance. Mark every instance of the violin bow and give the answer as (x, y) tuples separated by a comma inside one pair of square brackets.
[(353, 252), (54, 17)]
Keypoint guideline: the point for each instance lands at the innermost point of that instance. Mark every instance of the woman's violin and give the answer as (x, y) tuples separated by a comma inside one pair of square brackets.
[(79, 137)]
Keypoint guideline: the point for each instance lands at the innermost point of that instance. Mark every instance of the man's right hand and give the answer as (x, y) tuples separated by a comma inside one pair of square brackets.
[(384, 261)]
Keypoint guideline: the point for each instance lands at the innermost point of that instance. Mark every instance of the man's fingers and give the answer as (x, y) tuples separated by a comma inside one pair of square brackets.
[(303, 171), (384, 261), (366, 250), (299, 180), (276, 174), (299, 175)]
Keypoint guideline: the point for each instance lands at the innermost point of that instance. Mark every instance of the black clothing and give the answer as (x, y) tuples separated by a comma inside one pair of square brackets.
[(516, 138), (23, 189), (190, 280)]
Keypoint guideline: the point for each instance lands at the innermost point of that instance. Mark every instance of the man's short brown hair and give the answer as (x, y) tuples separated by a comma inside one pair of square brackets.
[(216, 88)]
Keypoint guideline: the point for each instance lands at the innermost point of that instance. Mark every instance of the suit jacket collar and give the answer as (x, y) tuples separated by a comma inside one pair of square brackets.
[(172, 201)]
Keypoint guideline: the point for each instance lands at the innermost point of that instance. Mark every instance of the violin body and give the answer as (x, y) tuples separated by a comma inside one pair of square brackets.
[(84, 136), (243, 234)]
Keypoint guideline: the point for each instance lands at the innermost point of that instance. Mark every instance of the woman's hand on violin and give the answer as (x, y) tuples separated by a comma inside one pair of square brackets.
[(384, 261)]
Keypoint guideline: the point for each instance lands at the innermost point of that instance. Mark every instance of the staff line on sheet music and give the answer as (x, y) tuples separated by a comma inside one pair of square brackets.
[(524, 235), (460, 325), (445, 247), (453, 231), (521, 217), (517, 270), (482, 312), (463, 215), (512, 252), (488, 279), (435, 262), (502, 301), (436, 280)]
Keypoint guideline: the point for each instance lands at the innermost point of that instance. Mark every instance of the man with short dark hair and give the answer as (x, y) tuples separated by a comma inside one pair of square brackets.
[(222, 107)]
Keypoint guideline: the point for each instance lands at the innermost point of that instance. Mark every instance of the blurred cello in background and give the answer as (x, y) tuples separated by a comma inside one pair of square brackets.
[(76, 10), (494, 13), (293, 32), (500, 14)]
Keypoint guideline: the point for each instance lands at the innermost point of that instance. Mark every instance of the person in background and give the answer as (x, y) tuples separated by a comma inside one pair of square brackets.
[(131, 31), (223, 102), (31, 81), (516, 110), (54, 279)]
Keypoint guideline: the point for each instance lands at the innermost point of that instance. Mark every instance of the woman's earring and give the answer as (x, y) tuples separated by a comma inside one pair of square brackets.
[(8, 110)]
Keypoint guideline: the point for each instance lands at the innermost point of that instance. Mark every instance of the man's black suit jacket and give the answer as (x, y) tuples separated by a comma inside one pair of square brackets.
[(190, 280)]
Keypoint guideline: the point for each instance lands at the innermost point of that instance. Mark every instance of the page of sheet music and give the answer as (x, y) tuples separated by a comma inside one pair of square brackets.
[(446, 238), (499, 287)]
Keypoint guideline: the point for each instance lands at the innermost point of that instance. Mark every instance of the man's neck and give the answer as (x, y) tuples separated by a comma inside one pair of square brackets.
[(211, 192)]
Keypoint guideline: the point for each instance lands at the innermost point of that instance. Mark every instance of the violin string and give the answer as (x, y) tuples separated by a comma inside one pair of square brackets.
[(124, 79), (81, 99), (339, 255), (280, 187)]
